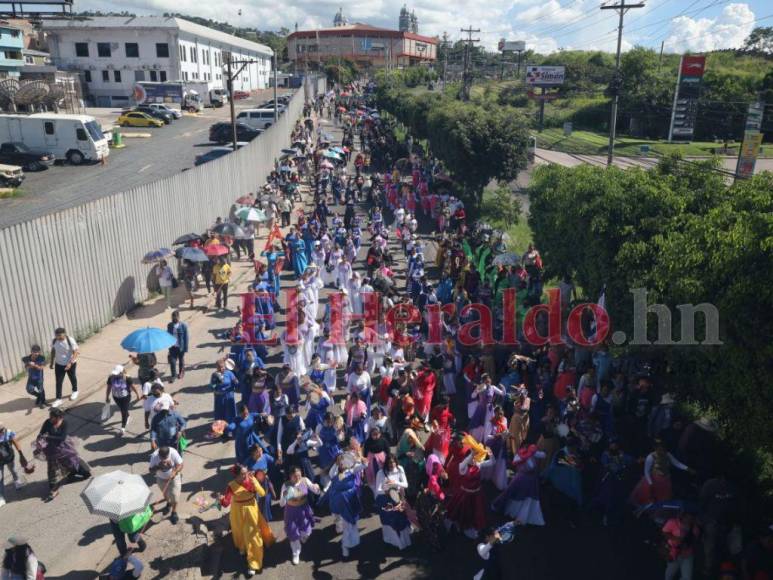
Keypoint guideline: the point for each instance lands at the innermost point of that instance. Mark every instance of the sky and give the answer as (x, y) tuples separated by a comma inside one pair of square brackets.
[(545, 25)]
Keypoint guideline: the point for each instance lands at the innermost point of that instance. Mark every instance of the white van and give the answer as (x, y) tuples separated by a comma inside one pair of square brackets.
[(256, 118), (77, 138)]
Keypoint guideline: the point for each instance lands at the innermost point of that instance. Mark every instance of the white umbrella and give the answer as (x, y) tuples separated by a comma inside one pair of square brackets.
[(117, 495)]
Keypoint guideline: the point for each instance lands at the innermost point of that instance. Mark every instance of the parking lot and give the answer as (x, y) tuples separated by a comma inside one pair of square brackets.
[(168, 150)]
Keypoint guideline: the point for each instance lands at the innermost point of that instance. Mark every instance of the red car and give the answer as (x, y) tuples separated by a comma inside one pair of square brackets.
[(238, 95)]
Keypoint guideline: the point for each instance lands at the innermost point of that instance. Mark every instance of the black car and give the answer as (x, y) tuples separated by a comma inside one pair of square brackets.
[(223, 133), (164, 116), (21, 155)]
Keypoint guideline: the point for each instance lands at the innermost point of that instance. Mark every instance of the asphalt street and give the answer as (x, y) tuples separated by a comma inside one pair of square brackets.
[(77, 546), (169, 150)]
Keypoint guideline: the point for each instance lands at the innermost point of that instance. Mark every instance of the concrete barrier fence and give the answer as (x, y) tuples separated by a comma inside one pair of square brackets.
[(80, 268)]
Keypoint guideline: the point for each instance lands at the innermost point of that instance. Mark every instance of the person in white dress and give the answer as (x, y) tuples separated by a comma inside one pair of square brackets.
[(395, 527), (355, 287), (343, 273), (327, 355), (293, 353), (308, 330)]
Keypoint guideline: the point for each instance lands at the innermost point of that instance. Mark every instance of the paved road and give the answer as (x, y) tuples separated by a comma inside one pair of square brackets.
[(169, 150), (571, 160)]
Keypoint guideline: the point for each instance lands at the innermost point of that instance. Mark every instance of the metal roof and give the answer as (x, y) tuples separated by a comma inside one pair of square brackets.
[(162, 22)]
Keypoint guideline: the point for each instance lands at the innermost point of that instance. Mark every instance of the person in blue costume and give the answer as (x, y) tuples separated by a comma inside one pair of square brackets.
[(224, 382), (243, 431), (330, 439), (272, 255), (246, 367), (299, 258), (317, 404), (261, 464), (344, 499), (290, 384), (308, 242)]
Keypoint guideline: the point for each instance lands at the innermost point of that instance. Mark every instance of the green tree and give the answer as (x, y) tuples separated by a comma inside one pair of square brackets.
[(760, 41)]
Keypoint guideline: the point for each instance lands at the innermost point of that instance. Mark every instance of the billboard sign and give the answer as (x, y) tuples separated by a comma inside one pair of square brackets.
[(544, 76), (752, 142), (511, 45), (158, 93)]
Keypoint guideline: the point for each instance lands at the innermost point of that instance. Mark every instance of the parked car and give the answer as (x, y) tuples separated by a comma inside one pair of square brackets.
[(29, 160), (217, 153), (223, 133), (281, 107), (176, 113), (238, 95), (138, 119), (157, 113), (257, 118), (11, 176)]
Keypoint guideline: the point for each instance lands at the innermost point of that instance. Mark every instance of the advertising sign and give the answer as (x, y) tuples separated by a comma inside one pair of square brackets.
[(688, 90), (544, 76), (752, 142), (147, 92), (511, 45)]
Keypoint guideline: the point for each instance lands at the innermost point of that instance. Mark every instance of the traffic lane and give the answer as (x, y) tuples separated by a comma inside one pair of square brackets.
[(169, 150)]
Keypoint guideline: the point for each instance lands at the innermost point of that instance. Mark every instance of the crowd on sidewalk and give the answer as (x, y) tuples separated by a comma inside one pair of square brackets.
[(383, 402)]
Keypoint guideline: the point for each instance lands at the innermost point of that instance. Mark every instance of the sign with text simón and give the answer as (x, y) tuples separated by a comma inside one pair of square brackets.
[(544, 76)]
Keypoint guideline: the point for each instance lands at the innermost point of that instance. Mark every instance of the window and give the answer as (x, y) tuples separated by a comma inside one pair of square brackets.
[(103, 50), (80, 133), (182, 53), (117, 76), (139, 76), (106, 76), (194, 54), (82, 49), (132, 50), (48, 127), (153, 76), (185, 76), (87, 76), (162, 76), (162, 50), (29, 60)]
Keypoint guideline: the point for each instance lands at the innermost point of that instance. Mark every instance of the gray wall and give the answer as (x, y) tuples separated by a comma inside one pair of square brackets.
[(80, 268)]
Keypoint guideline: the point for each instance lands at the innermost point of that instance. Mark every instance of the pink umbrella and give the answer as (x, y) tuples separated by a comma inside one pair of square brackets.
[(326, 165)]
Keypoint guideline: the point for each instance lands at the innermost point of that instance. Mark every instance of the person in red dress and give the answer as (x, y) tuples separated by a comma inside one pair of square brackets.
[(466, 509), (424, 389), (457, 451), (441, 420)]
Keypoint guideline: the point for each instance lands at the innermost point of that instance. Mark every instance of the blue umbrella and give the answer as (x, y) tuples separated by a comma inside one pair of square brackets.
[(191, 254), (148, 339), (156, 255)]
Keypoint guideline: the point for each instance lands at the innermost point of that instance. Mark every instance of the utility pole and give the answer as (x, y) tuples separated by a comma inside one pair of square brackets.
[(445, 59), (230, 76), (276, 110), (622, 8), (467, 75), (230, 88)]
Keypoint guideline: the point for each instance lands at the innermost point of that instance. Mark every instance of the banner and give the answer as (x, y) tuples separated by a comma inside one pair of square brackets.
[(752, 142)]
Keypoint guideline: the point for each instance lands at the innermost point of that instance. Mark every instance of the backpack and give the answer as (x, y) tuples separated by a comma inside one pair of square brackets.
[(7, 453), (69, 343)]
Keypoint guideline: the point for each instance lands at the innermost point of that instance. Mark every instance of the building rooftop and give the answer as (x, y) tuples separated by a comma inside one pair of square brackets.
[(139, 22), (362, 28)]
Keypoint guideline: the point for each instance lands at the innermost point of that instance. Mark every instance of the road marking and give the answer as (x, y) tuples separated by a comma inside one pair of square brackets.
[(148, 166)]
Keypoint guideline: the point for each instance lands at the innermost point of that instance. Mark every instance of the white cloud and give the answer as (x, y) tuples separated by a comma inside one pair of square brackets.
[(552, 12), (728, 30)]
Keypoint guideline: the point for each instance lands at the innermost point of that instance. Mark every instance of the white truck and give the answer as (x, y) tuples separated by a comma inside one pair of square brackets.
[(77, 138), (210, 95)]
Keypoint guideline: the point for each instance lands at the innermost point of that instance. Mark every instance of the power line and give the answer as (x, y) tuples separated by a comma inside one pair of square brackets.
[(467, 75)]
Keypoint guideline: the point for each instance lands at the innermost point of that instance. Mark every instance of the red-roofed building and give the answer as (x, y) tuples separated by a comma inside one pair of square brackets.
[(368, 46)]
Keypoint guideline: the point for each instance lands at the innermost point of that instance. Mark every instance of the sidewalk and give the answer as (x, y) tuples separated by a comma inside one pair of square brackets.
[(70, 541)]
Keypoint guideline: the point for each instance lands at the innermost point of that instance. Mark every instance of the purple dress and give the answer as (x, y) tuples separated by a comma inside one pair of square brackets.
[(298, 519)]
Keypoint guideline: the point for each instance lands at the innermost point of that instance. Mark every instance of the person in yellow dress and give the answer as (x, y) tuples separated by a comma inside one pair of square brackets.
[(249, 529)]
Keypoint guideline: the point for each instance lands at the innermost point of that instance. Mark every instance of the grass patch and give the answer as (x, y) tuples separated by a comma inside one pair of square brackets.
[(519, 231), (10, 193), (589, 143)]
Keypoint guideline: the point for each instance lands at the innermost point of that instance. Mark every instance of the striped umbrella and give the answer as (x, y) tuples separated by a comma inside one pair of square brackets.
[(117, 495)]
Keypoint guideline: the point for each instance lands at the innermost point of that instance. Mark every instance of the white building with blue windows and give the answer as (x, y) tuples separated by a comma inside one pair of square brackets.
[(112, 53)]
